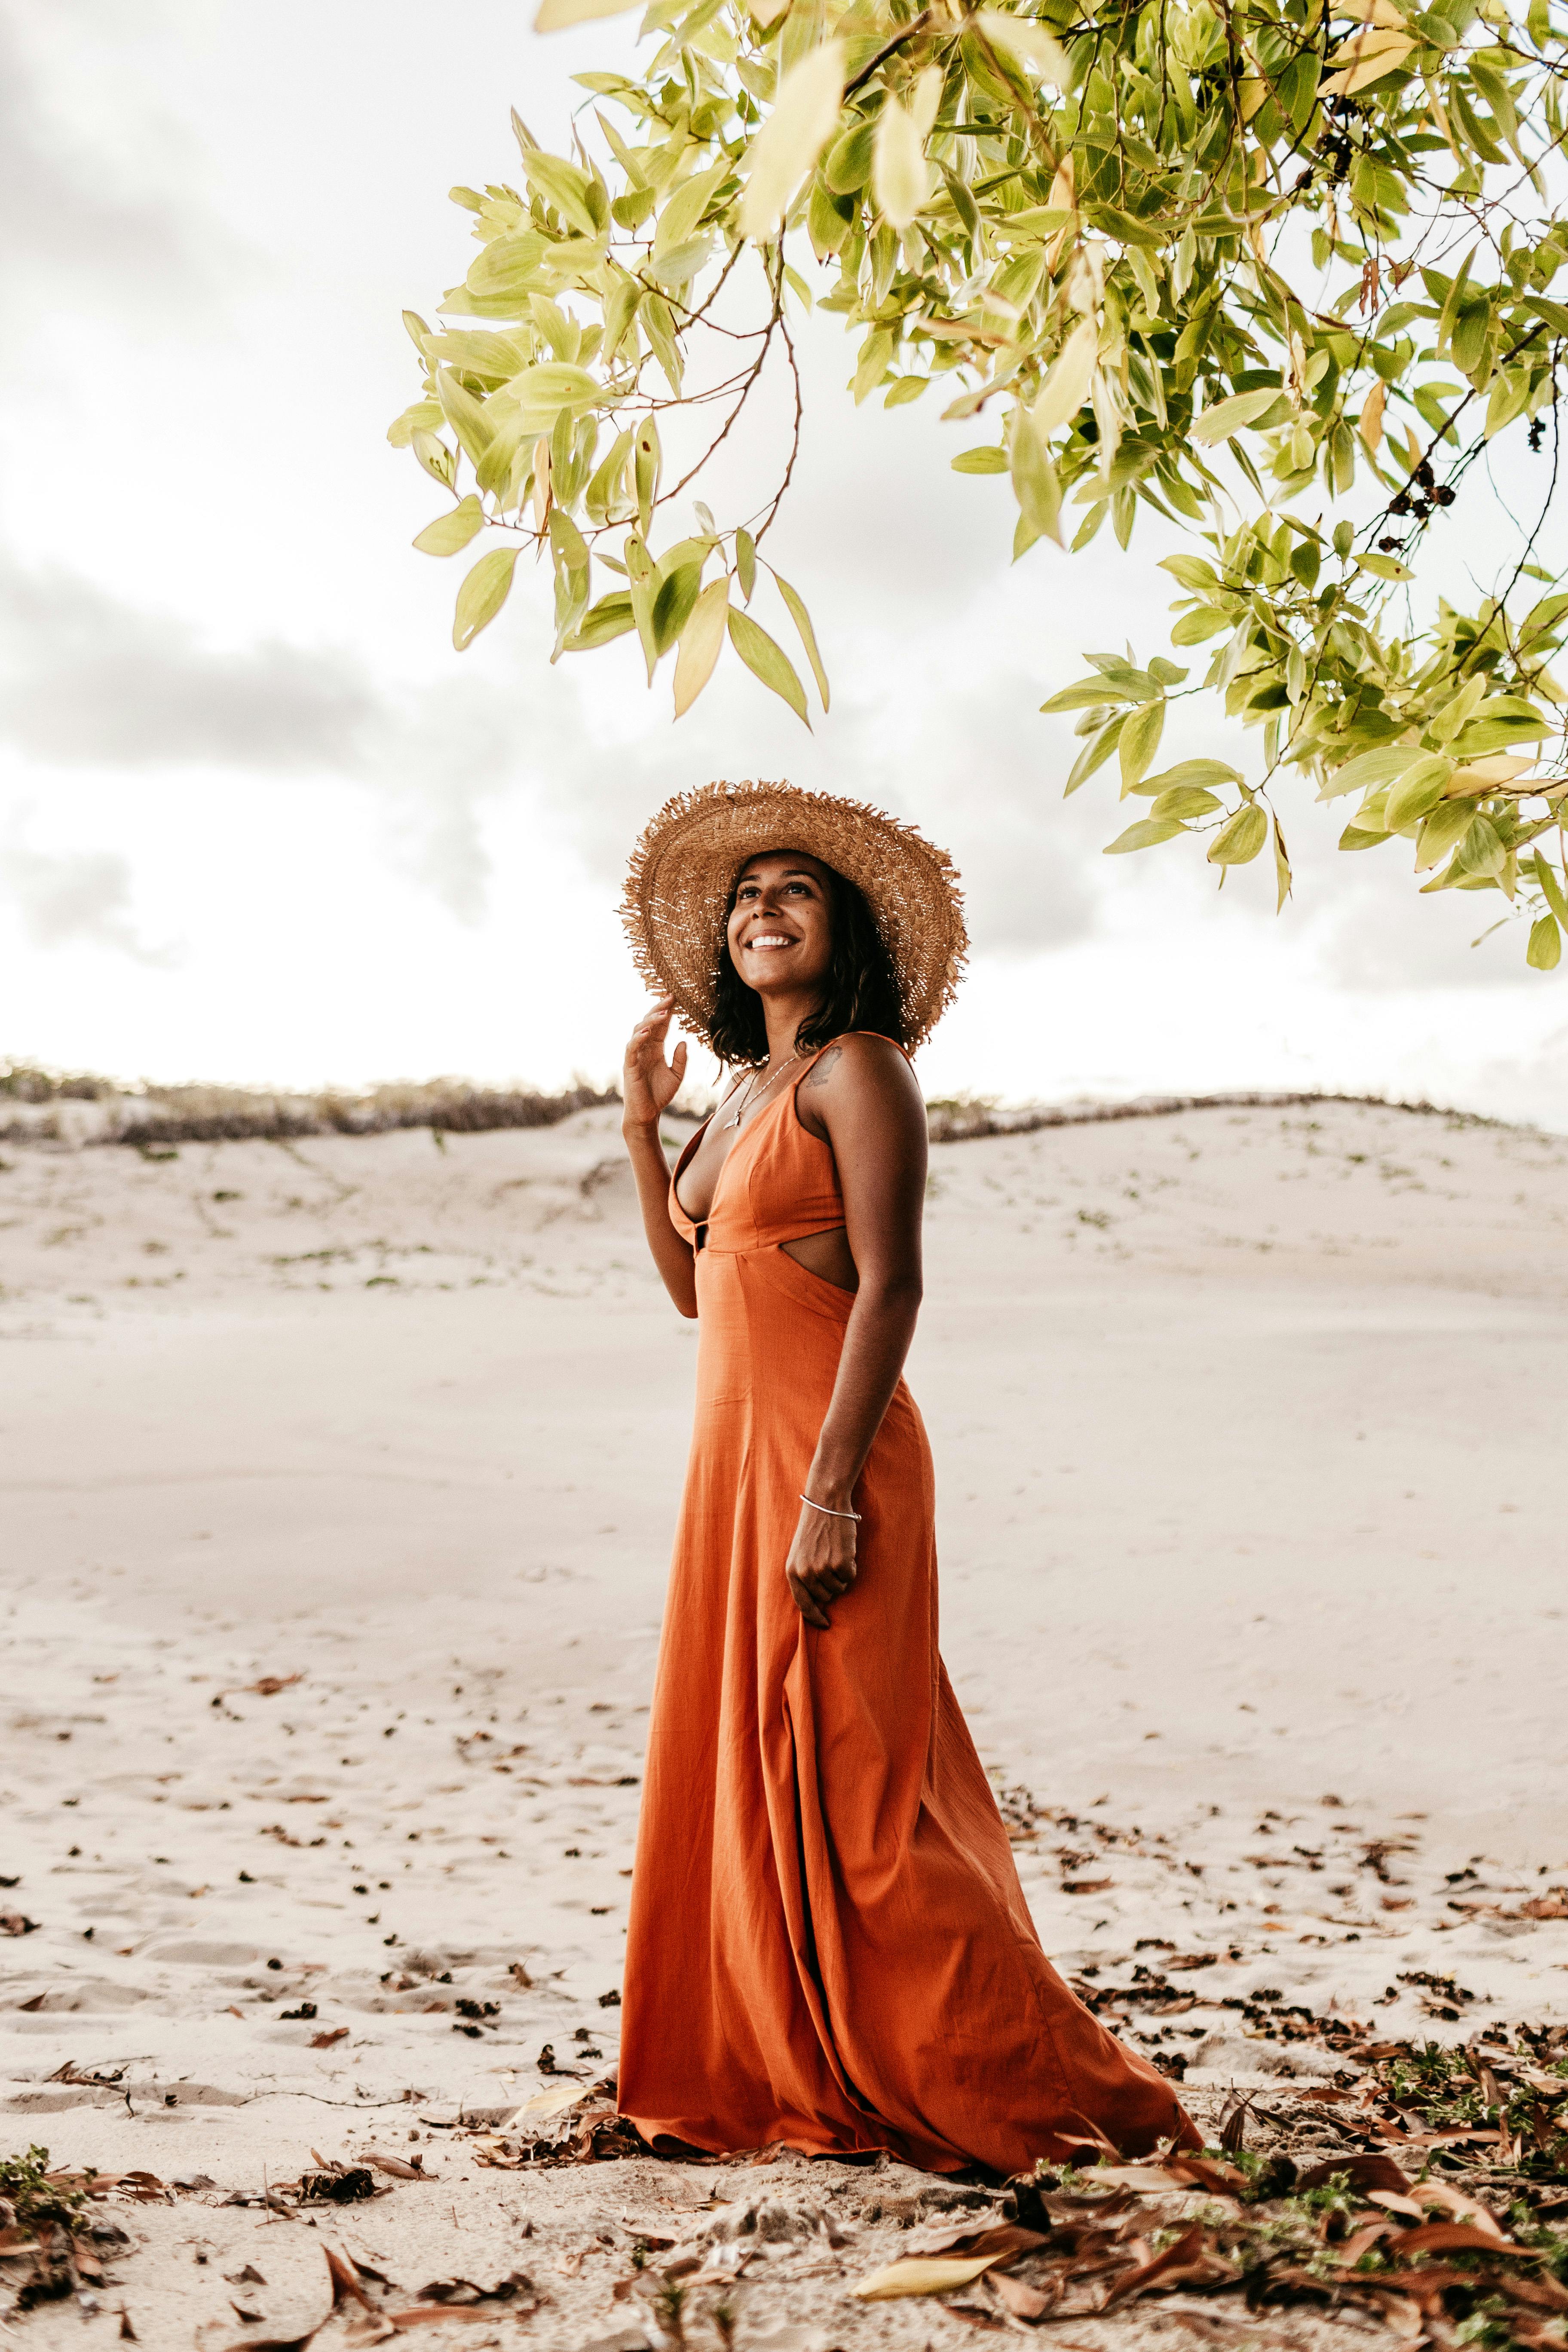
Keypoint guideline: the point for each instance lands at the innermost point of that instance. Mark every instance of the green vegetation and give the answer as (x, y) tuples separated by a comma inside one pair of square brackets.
[(1276, 269)]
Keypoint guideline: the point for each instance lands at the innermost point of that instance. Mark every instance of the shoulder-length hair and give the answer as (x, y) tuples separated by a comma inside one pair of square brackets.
[(861, 990)]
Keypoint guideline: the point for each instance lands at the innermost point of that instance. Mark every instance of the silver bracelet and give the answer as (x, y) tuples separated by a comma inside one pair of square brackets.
[(830, 1512)]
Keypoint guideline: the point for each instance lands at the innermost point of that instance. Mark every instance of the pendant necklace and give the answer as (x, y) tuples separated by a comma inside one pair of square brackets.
[(752, 1089)]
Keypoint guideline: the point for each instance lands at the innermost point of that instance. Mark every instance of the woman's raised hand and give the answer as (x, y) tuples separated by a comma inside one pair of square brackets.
[(649, 1083)]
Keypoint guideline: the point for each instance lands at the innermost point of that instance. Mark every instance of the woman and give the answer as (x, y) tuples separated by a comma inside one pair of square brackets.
[(829, 1945)]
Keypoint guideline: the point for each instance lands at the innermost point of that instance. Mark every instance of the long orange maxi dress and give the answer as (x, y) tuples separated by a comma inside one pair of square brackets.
[(829, 1945)]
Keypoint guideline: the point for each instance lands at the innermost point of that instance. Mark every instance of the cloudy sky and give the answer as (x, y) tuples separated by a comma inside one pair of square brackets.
[(258, 822)]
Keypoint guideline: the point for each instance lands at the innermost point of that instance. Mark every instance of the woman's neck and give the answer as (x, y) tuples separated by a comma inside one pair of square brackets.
[(784, 1022)]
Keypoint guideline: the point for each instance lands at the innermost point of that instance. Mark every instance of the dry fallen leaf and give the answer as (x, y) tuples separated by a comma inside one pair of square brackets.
[(1004, 2239), (425, 2314), (325, 2041), (922, 2275), (1144, 2177), (1367, 2173), (1453, 2238), (1186, 2250), (344, 2271), (1024, 2301), (546, 2102)]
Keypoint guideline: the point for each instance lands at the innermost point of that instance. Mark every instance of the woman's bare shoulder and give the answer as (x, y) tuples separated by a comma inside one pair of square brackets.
[(860, 1066)]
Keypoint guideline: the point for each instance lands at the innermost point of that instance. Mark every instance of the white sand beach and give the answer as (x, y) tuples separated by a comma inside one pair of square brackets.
[(338, 1484)]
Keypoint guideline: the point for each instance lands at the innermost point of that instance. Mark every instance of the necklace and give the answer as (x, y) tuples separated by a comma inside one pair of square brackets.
[(752, 1089)]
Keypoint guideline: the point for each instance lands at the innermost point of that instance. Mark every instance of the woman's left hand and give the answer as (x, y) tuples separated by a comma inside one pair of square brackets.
[(821, 1566)]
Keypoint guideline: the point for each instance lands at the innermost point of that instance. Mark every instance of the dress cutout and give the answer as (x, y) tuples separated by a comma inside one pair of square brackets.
[(829, 1945)]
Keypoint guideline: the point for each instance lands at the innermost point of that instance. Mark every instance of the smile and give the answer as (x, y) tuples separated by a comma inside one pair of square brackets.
[(770, 939)]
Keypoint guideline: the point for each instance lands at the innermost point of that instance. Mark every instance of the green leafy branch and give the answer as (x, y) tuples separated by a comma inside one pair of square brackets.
[(1114, 231)]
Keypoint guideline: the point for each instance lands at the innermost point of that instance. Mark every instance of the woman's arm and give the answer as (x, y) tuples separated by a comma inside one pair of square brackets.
[(862, 1093), (649, 1085)]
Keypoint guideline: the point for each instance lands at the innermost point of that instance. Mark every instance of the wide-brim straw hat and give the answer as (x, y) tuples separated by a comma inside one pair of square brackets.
[(684, 868)]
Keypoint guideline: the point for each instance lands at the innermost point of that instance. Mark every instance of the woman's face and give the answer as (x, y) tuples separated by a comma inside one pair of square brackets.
[(780, 927)]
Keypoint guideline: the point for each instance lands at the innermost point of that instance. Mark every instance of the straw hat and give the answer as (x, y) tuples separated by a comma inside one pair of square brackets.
[(684, 867)]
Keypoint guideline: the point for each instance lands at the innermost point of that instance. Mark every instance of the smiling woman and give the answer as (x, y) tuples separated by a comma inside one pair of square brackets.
[(829, 1945)]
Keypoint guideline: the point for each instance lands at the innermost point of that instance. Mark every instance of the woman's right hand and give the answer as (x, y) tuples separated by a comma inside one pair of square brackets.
[(649, 1083)]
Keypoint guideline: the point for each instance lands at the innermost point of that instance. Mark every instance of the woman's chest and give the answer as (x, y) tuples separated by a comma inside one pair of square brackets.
[(696, 1184)]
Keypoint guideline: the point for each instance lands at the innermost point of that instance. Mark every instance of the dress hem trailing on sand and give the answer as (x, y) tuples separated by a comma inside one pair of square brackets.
[(828, 1945)]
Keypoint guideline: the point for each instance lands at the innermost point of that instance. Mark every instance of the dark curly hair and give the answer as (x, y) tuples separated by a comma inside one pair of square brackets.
[(861, 990)]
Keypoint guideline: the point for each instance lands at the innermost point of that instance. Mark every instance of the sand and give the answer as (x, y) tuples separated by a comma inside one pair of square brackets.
[(338, 1482)]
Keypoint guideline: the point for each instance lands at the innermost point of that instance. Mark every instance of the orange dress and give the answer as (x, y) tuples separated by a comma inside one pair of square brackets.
[(829, 1945)]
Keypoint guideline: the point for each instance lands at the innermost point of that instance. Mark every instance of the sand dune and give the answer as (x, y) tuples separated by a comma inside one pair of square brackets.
[(338, 1484)]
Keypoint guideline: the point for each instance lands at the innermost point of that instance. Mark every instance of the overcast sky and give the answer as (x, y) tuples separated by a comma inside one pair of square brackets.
[(259, 822)]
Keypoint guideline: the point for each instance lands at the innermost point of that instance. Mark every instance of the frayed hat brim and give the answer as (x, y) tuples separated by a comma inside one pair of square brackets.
[(684, 866)]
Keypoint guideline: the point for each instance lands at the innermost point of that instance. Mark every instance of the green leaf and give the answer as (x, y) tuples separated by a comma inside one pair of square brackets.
[(1502, 722), (1095, 753), (1545, 945), (672, 604), (561, 184), (746, 563), (1371, 768), (767, 660), (1139, 741), (658, 326), (1282, 876), (608, 485), (678, 222), (1027, 43), (425, 416), (1144, 834), (1089, 694), (1035, 483), (1416, 793), (1206, 622), (483, 592), (1481, 850), (701, 642), (805, 114), (437, 460), (1192, 774), (1240, 838), (1443, 832), (611, 617), (648, 462), (1545, 874), (465, 414), (847, 167), (508, 268), (543, 389), (1555, 314), (1356, 836), (876, 355), (1192, 573), (554, 14), (450, 533), (988, 460), (1229, 416), (802, 620), (1183, 801), (1384, 567)]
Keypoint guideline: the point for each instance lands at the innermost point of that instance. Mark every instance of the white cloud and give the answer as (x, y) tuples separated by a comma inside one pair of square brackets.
[(101, 215), (83, 897)]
